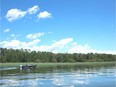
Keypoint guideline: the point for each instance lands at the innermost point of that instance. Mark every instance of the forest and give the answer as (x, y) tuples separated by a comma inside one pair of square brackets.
[(26, 55)]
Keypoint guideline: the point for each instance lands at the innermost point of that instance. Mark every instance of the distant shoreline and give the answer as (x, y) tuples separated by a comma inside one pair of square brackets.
[(57, 64)]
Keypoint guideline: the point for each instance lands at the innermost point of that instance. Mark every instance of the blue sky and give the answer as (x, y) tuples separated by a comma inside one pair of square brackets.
[(74, 26)]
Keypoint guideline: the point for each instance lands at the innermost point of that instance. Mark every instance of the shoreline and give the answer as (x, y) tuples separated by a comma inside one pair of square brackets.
[(57, 64)]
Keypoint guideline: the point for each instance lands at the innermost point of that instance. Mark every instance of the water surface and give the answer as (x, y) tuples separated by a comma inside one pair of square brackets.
[(60, 76)]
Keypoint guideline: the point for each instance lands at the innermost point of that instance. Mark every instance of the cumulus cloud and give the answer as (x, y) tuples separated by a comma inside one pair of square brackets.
[(60, 44), (33, 10), (79, 48), (6, 30), (54, 47), (44, 14), (66, 45), (33, 45), (16, 44), (34, 42), (34, 35), (15, 14), (13, 43), (76, 48)]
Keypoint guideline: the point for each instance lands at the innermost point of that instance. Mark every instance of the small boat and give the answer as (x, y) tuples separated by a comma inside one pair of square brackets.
[(23, 67)]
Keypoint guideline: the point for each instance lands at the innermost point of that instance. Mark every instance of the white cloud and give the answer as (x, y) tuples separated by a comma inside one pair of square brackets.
[(54, 47), (63, 45), (44, 14), (33, 10), (16, 44), (87, 49), (60, 44), (12, 35), (79, 49), (34, 35), (33, 45), (34, 42), (15, 14), (13, 43), (6, 30)]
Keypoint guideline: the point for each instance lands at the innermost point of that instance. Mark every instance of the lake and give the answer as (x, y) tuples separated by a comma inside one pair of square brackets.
[(59, 76)]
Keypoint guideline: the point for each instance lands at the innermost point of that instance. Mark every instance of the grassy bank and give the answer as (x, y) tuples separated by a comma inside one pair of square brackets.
[(56, 64)]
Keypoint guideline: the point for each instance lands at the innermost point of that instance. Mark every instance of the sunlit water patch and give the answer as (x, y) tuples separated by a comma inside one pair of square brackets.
[(8, 68)]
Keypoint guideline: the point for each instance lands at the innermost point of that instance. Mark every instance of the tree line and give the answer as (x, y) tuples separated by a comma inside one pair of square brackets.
[(26, 55)]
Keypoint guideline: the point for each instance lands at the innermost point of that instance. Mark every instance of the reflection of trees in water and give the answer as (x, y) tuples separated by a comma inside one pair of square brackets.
[(58, 69)]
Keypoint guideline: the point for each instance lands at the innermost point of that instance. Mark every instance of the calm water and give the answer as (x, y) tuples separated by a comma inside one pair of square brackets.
[(59, 76)]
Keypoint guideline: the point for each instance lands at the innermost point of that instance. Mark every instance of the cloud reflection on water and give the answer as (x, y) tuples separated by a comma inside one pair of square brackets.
[(59, 79)]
